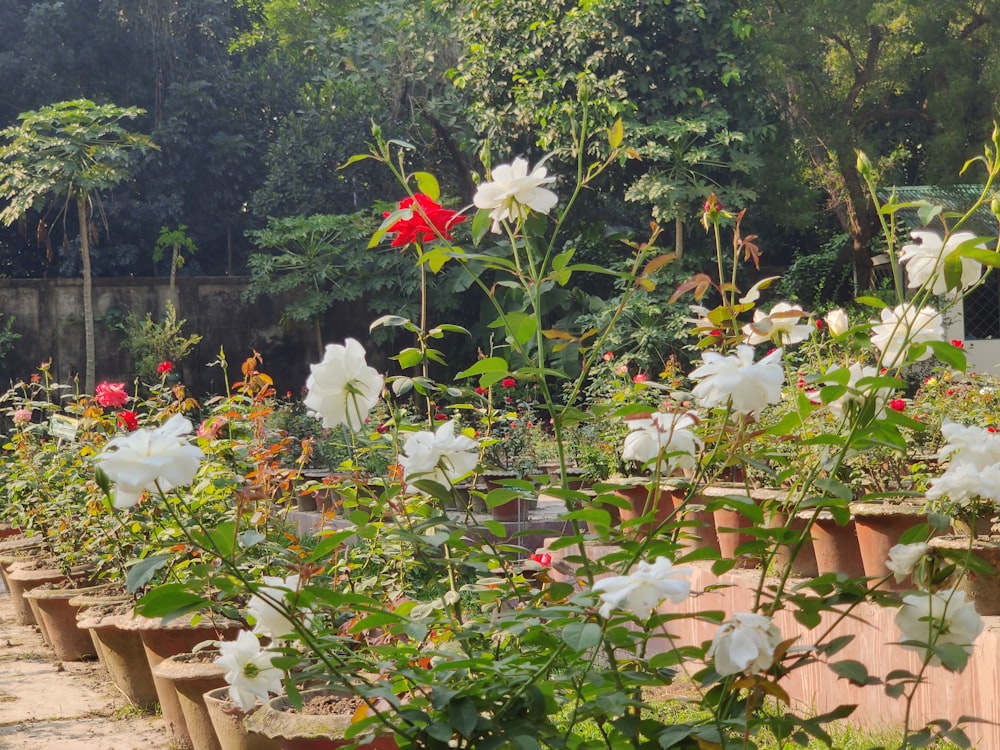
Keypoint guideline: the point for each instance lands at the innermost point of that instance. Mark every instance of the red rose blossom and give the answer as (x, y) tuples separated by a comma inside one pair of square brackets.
[(111, 395), (481, 391), (543, 558), (639, 377), (427, 221), (897, 404), (129, 420), (608, 356), (958, 343), (165, 367), (508, 383)]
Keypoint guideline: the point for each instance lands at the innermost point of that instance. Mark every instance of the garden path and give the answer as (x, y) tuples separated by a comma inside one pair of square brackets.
[(50, 705)]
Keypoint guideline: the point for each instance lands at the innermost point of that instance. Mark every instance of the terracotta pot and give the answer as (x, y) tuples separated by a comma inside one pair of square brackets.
[(227, 720), (982, 590), (798, 556), (57, 618), (22, 578), (191, 678), (657, 504), (161, 641), (836, 547), (17, 549), (879, 527), (514, 510), (299, 731), (121, 652), (698, 531)]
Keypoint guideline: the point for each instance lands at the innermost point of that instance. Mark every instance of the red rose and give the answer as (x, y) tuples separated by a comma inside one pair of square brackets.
[(608, 356), (165, 367), (508, 383), (897, 404), (639, 377), (958, 343), (427, 221), (128, 420), (544, 559), (481, 391), (111, 395)]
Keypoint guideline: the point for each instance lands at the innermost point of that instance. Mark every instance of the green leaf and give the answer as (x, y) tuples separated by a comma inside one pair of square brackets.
[(463, 715), (870, 301), (410, 357), (169, 601), (851, 670), (481, 224), (428, 185), (142, 572), (948, 353), (487, 366), (581, 636)]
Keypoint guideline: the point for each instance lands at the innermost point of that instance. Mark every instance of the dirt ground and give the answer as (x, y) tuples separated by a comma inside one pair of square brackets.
[(50, 705)]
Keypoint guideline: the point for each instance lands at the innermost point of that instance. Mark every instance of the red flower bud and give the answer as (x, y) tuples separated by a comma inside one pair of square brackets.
[(897, 404)]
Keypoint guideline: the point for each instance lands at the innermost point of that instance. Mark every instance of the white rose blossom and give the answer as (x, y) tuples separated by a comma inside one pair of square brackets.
[(962, 483), (249, 670), (968, 444), (744, 643), (644, 588), (147, 459), (925, 261), (937, 619), (751, 385), (903, 327), (781, 326), (903, 558), (665, 436), (837, 322), (268, 619), (512, 191), (342, 388), (440, 456)]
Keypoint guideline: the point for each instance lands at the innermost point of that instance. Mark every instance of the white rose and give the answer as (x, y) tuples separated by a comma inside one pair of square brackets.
[(439, 456), (250, 671), (662, 435), (342, 388), (513, 191), (749, 385), (903, 558), (644, 588), (903, 327), (780, 326), (838, 322), (925, 261), (268, 619), (937, 619), (147, 459), (744, 643)]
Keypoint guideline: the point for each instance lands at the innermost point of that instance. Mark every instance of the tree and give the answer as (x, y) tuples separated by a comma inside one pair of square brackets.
[(61, 157), (912, 82)]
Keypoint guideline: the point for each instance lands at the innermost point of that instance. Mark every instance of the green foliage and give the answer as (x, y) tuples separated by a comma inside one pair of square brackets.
[(810, 279), (7, 335), (151, 343)]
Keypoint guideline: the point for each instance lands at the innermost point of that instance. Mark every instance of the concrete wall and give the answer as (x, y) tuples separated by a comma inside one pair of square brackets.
[(48, 314)]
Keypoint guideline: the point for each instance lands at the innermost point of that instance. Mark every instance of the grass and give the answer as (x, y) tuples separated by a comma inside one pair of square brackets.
[(844, 735)]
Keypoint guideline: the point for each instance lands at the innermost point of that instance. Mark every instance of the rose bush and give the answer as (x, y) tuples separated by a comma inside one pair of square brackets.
[(450, 631)]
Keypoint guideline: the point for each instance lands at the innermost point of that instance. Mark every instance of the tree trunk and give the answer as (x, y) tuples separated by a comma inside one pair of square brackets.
[(90, 368), (679, 236)]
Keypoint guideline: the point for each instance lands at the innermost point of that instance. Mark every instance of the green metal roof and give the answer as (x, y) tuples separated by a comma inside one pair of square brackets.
[(953, 198)]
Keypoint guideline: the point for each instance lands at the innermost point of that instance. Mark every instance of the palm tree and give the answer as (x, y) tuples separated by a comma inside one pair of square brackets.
[(61, 157)]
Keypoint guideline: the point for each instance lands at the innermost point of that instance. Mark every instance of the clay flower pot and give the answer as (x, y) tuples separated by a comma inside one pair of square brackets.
[(22, 577), (121, 652), (228, 721), (835, 546), (982, 590), (191, 676), (57, 618), (300, 730), (161, 641), (879, 527)]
